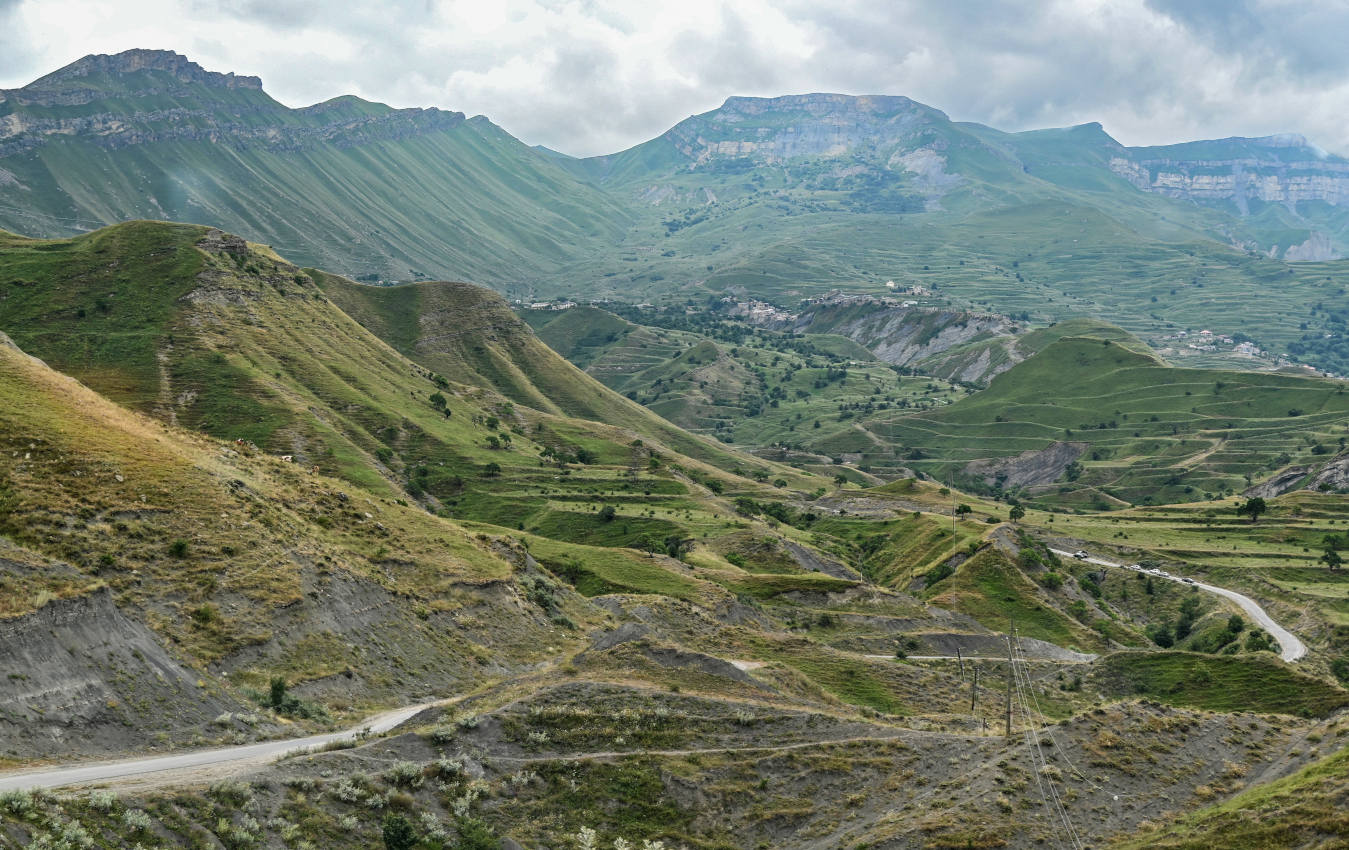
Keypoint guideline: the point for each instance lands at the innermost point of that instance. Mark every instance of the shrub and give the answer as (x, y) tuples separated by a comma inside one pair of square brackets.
[(178, 548), (137, 820), (398, 833), (103, 801), (404, 774)]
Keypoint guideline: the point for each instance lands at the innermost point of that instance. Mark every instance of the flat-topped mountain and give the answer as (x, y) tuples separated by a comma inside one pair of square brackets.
[(348, 184), (777, 199)]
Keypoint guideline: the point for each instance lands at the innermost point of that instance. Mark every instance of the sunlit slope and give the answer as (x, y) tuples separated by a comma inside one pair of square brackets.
[(1143, 431), (227, 338), (228, 554), (471, 335)]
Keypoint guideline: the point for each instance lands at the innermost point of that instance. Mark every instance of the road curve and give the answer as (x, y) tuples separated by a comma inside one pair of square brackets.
[(94, 772), (1290, 648)]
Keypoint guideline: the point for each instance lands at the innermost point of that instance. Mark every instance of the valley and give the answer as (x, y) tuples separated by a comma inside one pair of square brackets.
[(821, 473)]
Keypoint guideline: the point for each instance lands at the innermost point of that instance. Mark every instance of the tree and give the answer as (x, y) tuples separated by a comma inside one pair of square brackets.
[(1332, 559), (437, 400), (840, 479), (276, 696), (1016, 513), (1253, 508), (492, 469), (677, 546), (961, 510), (607, 513), (398, 833), (1162, 637)]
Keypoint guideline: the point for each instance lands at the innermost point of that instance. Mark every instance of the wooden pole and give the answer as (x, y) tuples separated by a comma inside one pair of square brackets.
[(974, 690), (1009, 685), (960, 659)]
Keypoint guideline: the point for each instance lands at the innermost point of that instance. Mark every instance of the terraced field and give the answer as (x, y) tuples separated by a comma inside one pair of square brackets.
[(754, 388), (1142, 432)]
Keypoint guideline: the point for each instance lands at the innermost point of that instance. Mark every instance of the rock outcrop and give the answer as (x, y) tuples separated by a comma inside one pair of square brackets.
[(80, 677), (1028, 469)]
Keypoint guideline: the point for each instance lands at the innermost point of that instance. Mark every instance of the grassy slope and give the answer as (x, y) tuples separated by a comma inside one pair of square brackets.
[(1217, 683), (253, 528), (362, 189), (1155, 432), (1306, 809), (496, 349)]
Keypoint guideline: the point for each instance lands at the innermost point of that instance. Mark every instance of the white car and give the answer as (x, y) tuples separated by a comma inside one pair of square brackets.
[(1134, 567), (1080, 555)]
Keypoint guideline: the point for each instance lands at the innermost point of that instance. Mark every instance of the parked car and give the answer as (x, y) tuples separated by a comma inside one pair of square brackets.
[(1080, 555)]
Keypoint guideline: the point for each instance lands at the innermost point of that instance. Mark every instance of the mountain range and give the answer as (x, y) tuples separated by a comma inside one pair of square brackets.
[(900, 483), (773, 198)]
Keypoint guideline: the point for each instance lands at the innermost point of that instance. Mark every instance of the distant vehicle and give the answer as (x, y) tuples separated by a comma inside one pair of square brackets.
[(1188, 580), (1134, 567), (1080, 555), (1163, 574)]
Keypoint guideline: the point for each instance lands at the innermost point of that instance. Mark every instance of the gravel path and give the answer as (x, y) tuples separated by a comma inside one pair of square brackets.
[(1290, 648)]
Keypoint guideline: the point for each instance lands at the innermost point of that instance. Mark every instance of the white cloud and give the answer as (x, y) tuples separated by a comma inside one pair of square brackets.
[(593, 76)]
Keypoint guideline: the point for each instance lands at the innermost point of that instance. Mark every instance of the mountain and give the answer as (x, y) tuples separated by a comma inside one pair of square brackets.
[(777, 199), (346, 184)]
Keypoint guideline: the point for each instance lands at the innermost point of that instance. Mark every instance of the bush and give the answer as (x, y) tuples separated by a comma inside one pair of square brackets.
[(938, 573), (178, 548), (475, 835), (398, 833)]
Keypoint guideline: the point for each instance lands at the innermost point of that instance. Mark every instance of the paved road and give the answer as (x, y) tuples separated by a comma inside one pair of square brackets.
[(96, 772), (1290, 648)]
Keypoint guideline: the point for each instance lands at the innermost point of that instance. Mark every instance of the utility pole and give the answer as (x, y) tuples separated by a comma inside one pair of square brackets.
[(1009, 679), (974, 690), (961, 661), (952, 491)]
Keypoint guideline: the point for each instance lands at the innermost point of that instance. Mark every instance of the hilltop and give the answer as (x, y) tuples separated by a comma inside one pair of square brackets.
[(770, 198), (346, 184)]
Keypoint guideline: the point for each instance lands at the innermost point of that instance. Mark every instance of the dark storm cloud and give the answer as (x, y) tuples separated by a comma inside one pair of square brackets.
[(593, 76)]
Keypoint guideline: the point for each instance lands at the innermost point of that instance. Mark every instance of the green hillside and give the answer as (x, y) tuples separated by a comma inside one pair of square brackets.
[(356, 187), (1145, 432)]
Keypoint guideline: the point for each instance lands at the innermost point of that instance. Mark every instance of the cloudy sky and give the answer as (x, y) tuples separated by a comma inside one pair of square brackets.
[(595, 76)]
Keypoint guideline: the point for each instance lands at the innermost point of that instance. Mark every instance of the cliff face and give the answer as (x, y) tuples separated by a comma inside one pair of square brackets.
[(74, 84), (812, 125), (81, 677), (1272, 169), (160, 96)]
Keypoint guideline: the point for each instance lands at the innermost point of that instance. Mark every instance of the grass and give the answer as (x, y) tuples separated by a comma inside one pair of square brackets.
[(1151, 433), (1217, 683), (991, 589), (1301, 810)]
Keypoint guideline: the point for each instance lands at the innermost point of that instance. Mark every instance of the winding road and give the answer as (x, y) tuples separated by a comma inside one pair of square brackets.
[(244, 754), (1290, 648), (194, 766)]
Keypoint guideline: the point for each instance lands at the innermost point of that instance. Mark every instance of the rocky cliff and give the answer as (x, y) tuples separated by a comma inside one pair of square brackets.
[(947, 343), (811, 125), (161, 96), (1283, 169)]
